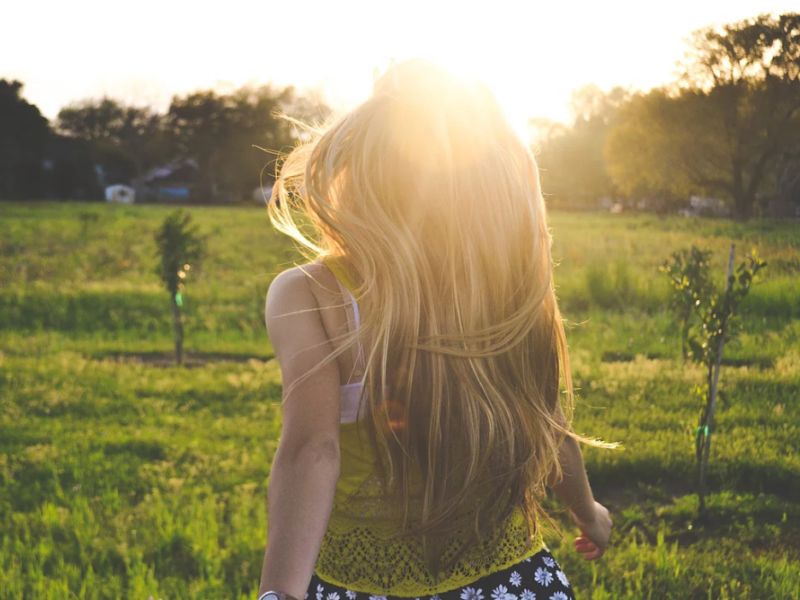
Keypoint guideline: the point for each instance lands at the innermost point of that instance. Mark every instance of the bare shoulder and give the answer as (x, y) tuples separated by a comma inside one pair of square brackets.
[(301, 346), (304, 286)]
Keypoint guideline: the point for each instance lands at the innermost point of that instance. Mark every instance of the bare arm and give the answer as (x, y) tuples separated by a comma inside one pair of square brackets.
[(300, 500), (306, 466), (574, 491)]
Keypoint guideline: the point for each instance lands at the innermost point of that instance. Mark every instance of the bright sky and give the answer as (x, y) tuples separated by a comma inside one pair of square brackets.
[(531, 54)]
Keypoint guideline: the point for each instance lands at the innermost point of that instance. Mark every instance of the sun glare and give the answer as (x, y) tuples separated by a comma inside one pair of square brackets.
[(463, 67)]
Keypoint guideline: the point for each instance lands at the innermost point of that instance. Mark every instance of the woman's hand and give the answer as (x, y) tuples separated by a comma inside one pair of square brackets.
[(593, 541)]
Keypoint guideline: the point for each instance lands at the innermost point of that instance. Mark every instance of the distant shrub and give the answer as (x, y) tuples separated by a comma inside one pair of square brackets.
[(179, 245)]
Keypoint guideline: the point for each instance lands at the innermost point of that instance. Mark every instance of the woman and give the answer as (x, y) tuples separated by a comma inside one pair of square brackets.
[(422, 350)]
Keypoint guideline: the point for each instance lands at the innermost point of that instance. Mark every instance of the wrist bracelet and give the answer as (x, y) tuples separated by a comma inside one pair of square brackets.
[(280, 595)]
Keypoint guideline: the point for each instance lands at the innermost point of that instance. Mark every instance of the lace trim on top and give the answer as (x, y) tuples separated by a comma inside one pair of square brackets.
[(360, 560)]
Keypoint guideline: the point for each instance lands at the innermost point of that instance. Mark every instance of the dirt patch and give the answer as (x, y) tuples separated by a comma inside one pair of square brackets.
[(190, 359), (611, 356), (761, 363)]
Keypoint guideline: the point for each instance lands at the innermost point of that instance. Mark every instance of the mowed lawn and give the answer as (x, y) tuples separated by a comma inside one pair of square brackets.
[(122, 476)]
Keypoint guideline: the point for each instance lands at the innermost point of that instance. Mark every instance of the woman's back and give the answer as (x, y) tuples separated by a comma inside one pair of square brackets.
[(363, 520), (430, 226)]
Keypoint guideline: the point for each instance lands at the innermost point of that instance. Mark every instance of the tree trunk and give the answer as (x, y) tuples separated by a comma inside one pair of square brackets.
[(702, 441), (177, 328), (687, 315), (707, 421), (742, 205)]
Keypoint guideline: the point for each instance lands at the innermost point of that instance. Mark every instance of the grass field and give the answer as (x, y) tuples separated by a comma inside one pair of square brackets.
[(124, 477)]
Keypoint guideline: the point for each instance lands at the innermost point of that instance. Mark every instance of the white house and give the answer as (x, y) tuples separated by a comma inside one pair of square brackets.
[(120, 193)]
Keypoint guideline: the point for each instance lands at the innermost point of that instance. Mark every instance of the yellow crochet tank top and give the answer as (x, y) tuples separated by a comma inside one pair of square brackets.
[(356, 553)]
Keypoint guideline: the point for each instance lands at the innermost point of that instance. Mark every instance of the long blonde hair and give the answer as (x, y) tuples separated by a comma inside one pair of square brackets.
[(431, 201)]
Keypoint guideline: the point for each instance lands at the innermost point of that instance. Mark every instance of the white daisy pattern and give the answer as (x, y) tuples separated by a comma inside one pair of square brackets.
[(514, 583), (471, 593), (562, 578), (499, 593), (543, 577)]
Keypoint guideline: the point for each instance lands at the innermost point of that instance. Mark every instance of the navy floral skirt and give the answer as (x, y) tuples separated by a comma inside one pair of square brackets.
[(538, 577)]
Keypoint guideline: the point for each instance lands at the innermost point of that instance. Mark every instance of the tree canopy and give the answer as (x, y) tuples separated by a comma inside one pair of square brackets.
[(226, 133), (571, 159), (725, 126), (24, 134), (728, 127)]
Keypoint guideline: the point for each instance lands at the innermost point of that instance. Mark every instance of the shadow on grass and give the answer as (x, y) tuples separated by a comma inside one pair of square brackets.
[(762, 363)]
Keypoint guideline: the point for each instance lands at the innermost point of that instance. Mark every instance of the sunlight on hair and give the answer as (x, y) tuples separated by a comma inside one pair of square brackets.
[(435, 109), (467, 74), (487, 73), (429, 201)]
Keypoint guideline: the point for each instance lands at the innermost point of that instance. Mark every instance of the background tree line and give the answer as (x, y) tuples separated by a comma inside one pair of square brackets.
[(727, 127), (40, 159)]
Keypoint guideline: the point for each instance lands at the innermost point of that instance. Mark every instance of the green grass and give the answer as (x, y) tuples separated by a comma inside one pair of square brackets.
[(128, 479)]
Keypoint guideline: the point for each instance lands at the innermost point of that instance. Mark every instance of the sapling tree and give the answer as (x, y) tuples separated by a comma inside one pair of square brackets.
[(712, 321), (180, 247), (688, 275)]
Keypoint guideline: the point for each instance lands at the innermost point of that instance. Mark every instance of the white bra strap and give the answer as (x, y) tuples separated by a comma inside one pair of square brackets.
[(356, 316), (357, 320)]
